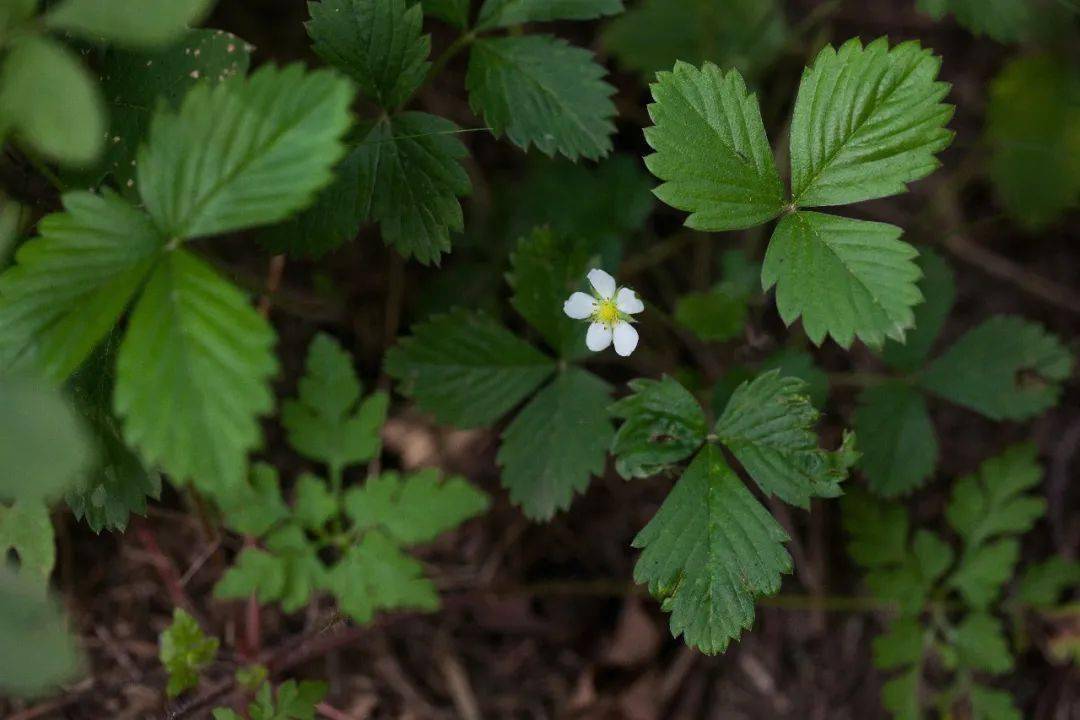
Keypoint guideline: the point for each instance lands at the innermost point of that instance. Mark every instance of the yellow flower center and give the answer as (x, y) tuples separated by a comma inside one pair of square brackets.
[(606, 312)]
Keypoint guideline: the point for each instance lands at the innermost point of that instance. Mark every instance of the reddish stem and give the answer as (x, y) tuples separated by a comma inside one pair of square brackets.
[(165, 567)]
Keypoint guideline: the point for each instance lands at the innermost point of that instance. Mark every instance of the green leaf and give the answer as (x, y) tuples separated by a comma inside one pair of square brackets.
[(556, 443), (301, 567), (984, 570), (939, 290), (900, 696), (504, 13), (709, 553), (254, 508), (411, 179), (867, 122), (1002, 20), (1033, 129), (415, 508), (878, 530), (244, 153), (710, 149), (328, 423), (50, 100), (996, 500), (800, 364), (376, 575), (768, 426), (652, 35), (1042, 584), (540, 90), (255, 572), (902, 644), (662, 424), (293, 702), (933, 556), (70, 285), (185, 651), (846, 278), (465, 368), (545, 269), (26, 529), (896, 437), (315, 504), (990, 704), (712, 316), (455, 12), (194, 338), (981, 644), (127, 22), (1006, 369), (377, 42)]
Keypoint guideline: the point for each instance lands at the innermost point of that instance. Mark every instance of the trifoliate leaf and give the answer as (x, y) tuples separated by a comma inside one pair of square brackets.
[(1006, 369), (195, 339), (244, 153), (556, 443), (540, 90), (709, 553), (185, 651), (900, 696), (996, 500), (713, 315), (26, 530), (315, 504), (711, 151), (1002, 20), (662, 425), (127, 22), (938, 290), (1033, 128), (902, 644), (415, 508), (465, 368), (768, 426), (455, 12), (50, 100), (1042, 584), (981, 644), (293, 701), (377, 42), (652, 35), (410, 182), (504, 13), (867, 122), (254, 508), (990, 704), (984, 570), (376, 575), (328, 423), (896, 438)]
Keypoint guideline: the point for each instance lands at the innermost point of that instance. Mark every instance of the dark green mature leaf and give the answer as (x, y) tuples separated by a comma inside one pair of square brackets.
[(258, 506), (377, 42), (981, 644), (50, 100), (984, 570), (556, 443), (990, 704), (768, 426), (1033, 128), (411, 178), (662, 425), (376, 575), (711, 151), (709, 553), (195, 339), (800, 364), (26, 530), (1003, 20), (128, 22), (713, 315), (244, 153), (504, 13), (900, 696), (938, 290), (1006, 369), (867, 121), (255, 572), (466, 369), (878, 530), (288, 571), (455, 12), (846, 278), (902, 644), (896, 438), (540, 90), (652, 35), (70, 284), (185, 651), (1042, 584)]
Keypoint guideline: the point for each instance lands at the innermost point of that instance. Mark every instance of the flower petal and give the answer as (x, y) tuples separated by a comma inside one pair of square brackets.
[(603, 283), (579, 306), (628, 302), (626, 338), (598, 337)]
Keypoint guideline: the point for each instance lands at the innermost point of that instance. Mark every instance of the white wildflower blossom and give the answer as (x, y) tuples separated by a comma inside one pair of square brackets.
[(610, 309)]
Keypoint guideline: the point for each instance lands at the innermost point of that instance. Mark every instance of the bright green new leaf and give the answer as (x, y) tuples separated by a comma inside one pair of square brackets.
[(377, 42), (1006, 369), (901, 645), (244, 153), (455, 12), (376, 575), (1042, 584), (896, 438), (26, 529), (556, 443), (997, 500), (939, 290), (195, 340), (50, 100), (466, 369), (315, 504), (540, 90), (990, 704), (867, 122), (662, 424), (1002, 20), (415, 508), (504, 13), (713, 315), (710, 149), (256, 507), (768, 426), (981, 644), (144, 23), (846, 278), (709, 552), (185, 651)]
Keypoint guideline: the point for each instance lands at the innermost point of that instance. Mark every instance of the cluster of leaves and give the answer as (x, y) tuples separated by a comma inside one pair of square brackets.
[(185, 651), (712, 549), (364, 528), (945, 599), (292, 701)]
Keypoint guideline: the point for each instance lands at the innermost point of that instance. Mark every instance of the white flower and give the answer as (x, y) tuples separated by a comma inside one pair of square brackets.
[(610, 310)]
